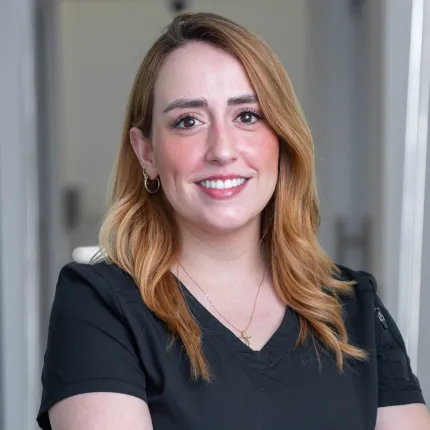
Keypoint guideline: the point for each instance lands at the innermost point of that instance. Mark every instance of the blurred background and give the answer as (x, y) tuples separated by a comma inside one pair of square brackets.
[(361, 71)]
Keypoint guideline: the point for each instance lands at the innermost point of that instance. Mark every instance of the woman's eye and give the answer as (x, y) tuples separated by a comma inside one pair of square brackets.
[(249, 117), (187, 122)]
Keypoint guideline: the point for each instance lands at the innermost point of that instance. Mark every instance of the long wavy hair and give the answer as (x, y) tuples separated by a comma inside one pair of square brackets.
[(139, 233)]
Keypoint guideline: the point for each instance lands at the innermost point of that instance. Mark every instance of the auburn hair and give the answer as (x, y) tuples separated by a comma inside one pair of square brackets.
[(139, 233)]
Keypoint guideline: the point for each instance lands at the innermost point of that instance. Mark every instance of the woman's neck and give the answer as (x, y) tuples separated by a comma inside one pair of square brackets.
[(217, 260)]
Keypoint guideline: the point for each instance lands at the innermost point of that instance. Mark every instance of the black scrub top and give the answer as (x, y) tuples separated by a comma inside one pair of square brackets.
[(102, 338)]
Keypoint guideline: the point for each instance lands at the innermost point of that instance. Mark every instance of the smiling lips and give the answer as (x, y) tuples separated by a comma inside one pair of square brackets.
[(219, 184), (222, 188)]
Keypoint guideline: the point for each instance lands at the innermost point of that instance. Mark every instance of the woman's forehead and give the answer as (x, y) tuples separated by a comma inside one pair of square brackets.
[(200, 70)]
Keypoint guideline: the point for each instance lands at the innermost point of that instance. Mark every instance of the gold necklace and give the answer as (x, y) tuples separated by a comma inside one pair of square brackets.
[(244, 337)]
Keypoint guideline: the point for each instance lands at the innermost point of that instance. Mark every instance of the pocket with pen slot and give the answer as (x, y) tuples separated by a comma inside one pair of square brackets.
[(394, 369)]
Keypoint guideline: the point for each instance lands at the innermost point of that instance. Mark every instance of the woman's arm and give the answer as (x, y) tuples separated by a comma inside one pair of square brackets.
[(100, 411), (410, 417), (92, 376)]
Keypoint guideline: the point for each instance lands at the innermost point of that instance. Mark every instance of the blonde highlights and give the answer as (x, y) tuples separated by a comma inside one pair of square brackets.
[(139, 232)]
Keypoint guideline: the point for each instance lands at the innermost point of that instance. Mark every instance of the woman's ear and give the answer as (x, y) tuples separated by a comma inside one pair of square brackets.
[(142, 147)]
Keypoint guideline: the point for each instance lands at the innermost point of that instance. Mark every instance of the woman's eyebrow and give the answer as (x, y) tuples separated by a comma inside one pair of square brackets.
[(186, 103), (202, 102), (241, 100)]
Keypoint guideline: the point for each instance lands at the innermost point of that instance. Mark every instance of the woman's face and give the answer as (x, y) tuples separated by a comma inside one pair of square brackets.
[(216, 157)]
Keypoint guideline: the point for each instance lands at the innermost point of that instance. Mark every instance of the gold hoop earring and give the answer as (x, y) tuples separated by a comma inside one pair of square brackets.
[(148, 187)]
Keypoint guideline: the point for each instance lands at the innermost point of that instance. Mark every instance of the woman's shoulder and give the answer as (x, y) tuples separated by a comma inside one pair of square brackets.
[(359, 307), (102, 279), (364, 282)]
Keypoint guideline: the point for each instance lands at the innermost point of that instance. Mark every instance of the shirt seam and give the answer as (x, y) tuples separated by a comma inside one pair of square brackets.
[(388, 390), (101, 378)]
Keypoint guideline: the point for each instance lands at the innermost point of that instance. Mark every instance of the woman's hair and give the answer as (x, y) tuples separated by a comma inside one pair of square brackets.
[(139, 232)]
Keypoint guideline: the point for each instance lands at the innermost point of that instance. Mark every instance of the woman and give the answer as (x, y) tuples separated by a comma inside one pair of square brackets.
[(214, 306)]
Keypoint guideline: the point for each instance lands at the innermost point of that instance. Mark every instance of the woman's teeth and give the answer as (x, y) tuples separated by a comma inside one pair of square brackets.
[(223, 185)]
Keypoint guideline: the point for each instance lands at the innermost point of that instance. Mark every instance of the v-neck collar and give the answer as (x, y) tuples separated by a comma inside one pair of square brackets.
[(280, 343)]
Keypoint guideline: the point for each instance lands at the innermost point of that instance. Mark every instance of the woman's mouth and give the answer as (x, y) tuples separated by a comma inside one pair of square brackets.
[(220, 184), (222, 189)]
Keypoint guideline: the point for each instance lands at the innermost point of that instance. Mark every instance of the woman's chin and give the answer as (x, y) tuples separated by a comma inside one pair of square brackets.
[(227, 225)]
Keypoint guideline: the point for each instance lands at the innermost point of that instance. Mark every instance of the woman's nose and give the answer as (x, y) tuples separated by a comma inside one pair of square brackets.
[(222, 147)]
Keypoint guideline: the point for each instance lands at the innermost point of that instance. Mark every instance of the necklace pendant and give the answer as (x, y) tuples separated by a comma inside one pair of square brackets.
[(245, 338)]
